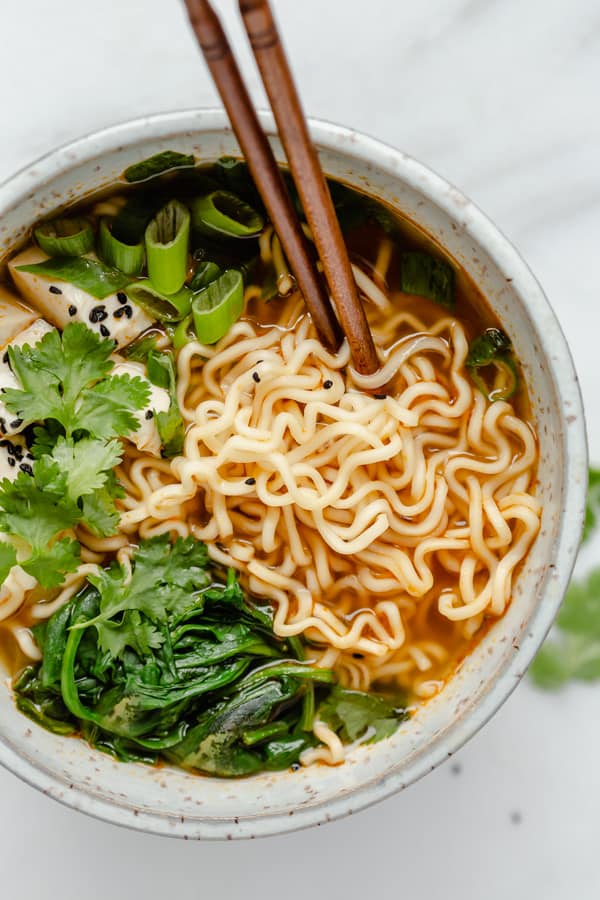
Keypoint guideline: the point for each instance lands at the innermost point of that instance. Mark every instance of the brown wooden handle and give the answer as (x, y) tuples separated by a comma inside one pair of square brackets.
[(263, 166), (309, 179)]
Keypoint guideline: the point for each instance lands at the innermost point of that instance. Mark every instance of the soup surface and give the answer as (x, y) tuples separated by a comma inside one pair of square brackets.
[(221, 545)]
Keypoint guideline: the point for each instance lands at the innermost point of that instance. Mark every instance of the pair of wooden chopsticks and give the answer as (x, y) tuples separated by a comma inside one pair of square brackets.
[(305, 168)]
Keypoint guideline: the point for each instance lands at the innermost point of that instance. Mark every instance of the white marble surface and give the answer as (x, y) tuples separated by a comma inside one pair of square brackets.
[(501, 97)]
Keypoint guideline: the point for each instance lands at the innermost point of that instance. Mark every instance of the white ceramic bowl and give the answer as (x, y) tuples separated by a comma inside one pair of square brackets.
[(171, 802)]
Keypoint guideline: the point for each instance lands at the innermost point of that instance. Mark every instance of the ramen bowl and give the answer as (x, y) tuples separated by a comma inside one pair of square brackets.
[(172, 802)]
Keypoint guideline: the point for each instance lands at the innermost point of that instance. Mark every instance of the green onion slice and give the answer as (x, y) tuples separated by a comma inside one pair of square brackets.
[(491, 354), (204, 274), (167, 243), (223, 214), (218, 306), (162, 307), (65, 237), (429, 277), (183, 333), (129, 258)]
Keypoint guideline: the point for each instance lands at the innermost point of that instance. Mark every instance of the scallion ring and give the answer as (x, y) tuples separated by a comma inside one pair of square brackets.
[(65, 237), (128, 258), (218, 306), (182, 333), (161, 306), (222, 214), (204, 274), (167, 242)]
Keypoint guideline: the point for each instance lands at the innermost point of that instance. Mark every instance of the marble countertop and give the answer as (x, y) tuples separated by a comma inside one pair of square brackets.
[(501, 97)]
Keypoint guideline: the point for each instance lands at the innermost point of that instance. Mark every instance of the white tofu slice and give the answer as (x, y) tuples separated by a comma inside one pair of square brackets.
[(14, 317), (14, 457), (60, 302), (9, 424), (146, 438)]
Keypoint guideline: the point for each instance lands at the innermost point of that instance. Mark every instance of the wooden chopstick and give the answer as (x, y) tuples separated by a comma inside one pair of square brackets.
[(263, 166), (309, 179)]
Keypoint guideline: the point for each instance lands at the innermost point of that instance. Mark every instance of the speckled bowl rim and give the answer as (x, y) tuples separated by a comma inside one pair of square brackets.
[(334, 138)]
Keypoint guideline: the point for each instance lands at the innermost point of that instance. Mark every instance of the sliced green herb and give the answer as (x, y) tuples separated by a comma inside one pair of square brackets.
[(128, 258), (223, 214), (167, 244), (159, 305), (65, 237), (218, 306), (204, 274)]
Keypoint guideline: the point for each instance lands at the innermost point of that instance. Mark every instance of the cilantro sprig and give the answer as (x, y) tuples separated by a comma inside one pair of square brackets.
[(65, 379), (573, 652), (66, 386)]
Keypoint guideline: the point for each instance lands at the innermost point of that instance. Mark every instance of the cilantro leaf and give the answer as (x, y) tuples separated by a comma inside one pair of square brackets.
[(107, 409), (99, 513), (49, 565), (8, 559), (133, 631), (65, 379), (36, 508), (87, 464), (164, 578)]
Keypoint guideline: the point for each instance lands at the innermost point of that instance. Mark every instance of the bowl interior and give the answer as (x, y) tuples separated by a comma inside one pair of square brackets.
[(168, 801)]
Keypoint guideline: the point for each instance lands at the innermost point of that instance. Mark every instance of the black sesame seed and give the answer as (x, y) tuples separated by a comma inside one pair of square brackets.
[(18, 452), (128, 311), (295, 766), (122, 297), (5, 357), (12, 461), (16, 423), (25, 467), (358, 656), (10, 448), (256, 377), (2, 423), (118, 313), (4, 442), (380, 396), (327, 384), (250, 481), (72, 310), (98, 314), (54, 290), (149, 414), (104, 331)]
